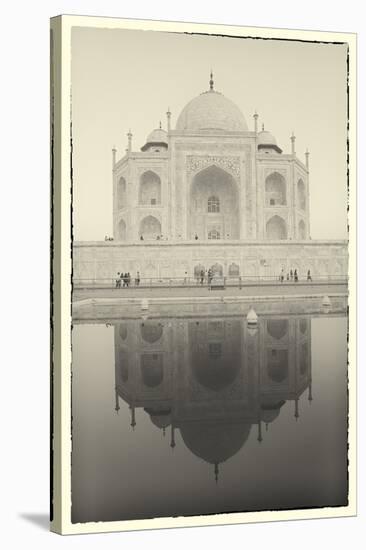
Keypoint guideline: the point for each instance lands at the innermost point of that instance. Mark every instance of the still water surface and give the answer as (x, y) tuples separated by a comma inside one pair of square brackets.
[(188, 416)]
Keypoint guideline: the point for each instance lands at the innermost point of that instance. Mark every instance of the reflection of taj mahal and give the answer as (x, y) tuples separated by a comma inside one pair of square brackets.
[(212, 380), (212, 178), (210, 191)]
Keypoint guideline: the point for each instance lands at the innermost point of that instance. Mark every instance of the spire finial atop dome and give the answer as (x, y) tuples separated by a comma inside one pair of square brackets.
[(262, 127), (211, 81), (160, 125)]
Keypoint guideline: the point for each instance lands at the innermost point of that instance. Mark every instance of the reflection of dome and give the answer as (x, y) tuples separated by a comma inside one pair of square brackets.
[(211, 111), (270, 411), (160, 418), (214, 442)]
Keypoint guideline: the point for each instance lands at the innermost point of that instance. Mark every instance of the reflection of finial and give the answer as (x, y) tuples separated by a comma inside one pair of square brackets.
[(164, 432), (172, 440), (310, 396), (211, 81), (133, 421), (296, 409), (216, 472), (260, 431), (266, 426), (117, 407)]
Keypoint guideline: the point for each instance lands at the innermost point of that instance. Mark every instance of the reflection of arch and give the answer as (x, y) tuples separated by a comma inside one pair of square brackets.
[(215, 354), (121, 193), (277, 328), (277, 366), (275, 189), (150, 188), (122, 230), (276, 228), (152, 369), (302, 230), (301, 197), (304, 359), (234, 270), (150, 227), (151, 332), (214, 205), (123, 364), (303, 326), (217, 270), (122, 331)]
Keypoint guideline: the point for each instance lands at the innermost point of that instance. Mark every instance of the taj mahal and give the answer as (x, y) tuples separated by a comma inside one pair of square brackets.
[(210, 192)]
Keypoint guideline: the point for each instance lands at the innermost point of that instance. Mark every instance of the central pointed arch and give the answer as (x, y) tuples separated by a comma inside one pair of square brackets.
[(214, 205)]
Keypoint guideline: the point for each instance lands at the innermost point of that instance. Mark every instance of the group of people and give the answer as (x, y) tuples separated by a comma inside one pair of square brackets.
[(292, 275), (106, 238), (124, 279)]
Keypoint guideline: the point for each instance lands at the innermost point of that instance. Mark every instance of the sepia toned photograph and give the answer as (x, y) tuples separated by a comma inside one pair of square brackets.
[(210, 274)]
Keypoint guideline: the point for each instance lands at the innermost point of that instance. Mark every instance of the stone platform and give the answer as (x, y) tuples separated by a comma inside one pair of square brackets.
[(102, 260)]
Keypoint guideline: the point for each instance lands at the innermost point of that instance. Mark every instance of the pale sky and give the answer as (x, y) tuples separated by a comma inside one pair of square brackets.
[(125, 79)]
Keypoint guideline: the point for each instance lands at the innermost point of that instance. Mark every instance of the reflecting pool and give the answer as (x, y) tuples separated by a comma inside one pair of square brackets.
[(199, 415)]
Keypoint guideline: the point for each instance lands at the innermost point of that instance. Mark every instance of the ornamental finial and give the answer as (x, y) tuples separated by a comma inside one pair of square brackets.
[(211, 81)]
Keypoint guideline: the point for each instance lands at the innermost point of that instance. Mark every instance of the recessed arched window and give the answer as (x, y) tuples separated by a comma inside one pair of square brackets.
[(213, 204), (121, 193), (150, 188), (214, 234)]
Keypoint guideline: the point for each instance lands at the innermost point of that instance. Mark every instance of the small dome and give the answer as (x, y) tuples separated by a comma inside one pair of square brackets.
[(157, 137), (211, 111), (267, 140), (160, 418)]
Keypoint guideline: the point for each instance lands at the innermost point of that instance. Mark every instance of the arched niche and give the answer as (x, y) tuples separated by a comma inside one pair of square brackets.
[(121, 193), (122, 230), (302, 230), (217, 270), (151, 332), (275, 189), (150, 189), (234, 270), (277, 328), (301, 196), (214, 205), (276, 228), (277, 365), (152, 369), (150, 228), (197, 270)]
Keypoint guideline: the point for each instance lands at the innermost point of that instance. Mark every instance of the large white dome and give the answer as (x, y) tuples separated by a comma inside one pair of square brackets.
[(211, 111)]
